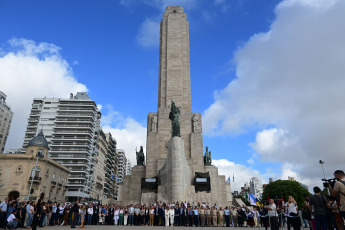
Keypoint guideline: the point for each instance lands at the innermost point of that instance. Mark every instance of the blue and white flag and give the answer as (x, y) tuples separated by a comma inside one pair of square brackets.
[(233, 177), (228, 180), (252, 199)]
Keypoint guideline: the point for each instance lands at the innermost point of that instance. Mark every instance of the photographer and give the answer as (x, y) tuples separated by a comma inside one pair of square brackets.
[(339, 189)]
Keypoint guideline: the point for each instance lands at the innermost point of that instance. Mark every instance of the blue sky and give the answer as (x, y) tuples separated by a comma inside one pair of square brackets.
[(242, 56)]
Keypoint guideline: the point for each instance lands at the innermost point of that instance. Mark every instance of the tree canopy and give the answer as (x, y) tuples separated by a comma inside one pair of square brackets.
[(283, 189)]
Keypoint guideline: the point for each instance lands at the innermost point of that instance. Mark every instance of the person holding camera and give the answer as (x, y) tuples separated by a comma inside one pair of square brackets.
[(339, 190)]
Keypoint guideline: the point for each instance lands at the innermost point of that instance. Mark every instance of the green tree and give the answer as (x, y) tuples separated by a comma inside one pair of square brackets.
[(283, 189)]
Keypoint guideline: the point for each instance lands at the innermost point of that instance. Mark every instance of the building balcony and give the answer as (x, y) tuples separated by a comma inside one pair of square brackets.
[(35, 179)]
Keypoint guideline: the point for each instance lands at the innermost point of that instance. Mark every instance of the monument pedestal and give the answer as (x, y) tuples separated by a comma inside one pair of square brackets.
[(175, 176)]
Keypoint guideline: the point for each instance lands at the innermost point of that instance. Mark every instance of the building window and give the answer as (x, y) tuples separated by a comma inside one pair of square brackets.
[(36, 173)]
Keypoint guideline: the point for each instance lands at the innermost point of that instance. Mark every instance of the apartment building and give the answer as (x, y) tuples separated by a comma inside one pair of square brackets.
[(6, 116), (110, 187), (121, 165), (71, 128), (97, 191)]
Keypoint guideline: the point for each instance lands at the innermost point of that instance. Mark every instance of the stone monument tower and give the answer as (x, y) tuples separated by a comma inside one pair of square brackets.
[(175, 168)]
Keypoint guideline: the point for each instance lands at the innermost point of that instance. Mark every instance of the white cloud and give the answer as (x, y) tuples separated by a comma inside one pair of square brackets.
[(250, 161), (291, 78), (148, 34), (240, 172), (29, 70), (130, 137)]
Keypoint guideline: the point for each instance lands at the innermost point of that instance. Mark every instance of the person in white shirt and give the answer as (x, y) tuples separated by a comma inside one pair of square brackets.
[(89, 214), (12, 221), (172, 216), (116, 215), (273, 215), (166, 214), (292, 210)]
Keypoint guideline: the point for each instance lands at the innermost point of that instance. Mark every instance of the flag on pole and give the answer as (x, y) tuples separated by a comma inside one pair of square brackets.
[(228, 180), (252, 199), (233, 178)]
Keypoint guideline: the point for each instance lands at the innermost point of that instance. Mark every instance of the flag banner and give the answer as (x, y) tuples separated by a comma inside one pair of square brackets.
[(233, 178), (252, 199), (228, 180)]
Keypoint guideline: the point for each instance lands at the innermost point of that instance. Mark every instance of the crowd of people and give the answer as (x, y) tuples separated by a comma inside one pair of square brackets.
[(318, 212)]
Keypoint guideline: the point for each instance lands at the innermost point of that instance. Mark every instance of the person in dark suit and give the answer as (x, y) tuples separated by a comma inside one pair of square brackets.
[(183, 214), (95, 215), (75, 211), (111, 215), (162, 215), (177, 216), (156, 218)]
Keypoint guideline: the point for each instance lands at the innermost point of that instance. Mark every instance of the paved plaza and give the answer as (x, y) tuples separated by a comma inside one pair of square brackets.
[(112, 227)]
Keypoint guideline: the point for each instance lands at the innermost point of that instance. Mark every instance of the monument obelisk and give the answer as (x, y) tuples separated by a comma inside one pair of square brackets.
[(174, 164)]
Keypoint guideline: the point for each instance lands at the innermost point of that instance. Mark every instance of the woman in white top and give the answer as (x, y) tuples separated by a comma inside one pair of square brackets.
[(116, 215), (166, 214), (292, 210), (172, 215)]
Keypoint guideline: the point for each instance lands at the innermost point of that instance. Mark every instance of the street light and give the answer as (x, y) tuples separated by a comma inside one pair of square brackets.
[(321, 163), (39, 154)]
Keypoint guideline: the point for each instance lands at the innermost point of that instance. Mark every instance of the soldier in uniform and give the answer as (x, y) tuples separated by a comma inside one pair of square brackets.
[(221, 217), (208, 216), (214, 216), (233, 217), (202, 216)]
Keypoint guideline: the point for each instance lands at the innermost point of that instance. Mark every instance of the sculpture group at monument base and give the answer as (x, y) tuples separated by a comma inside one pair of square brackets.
[(175, 182)]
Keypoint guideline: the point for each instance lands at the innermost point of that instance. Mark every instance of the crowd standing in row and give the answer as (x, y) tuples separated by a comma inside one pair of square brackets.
[(318, 212)]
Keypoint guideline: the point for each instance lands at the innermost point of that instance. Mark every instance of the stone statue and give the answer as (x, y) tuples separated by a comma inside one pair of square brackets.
[(174, 116), (140, 156), (207, 157), (195, 123), (154, 123)]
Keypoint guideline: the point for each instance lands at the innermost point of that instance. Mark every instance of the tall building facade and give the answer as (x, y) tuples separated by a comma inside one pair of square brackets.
[(121, 164), (256, 187), (71, 127), (129, 167), (6, 116), (97, 191), (110, 187)]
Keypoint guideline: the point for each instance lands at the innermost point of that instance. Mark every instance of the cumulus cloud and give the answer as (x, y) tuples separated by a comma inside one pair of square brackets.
[(128, 133), (290, 86), (31, 70), (148, 33), (240, 172)]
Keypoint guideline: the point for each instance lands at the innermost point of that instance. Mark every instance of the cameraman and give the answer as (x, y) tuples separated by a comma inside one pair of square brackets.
[(339, 189)]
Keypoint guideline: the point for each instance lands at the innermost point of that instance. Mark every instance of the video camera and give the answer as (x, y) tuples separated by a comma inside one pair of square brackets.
[(328, 182)]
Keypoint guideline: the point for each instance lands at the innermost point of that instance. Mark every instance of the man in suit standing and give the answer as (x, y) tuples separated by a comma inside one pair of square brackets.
[(177, 216), (75, 211), (95, 215), (162, 214), (156, 218)]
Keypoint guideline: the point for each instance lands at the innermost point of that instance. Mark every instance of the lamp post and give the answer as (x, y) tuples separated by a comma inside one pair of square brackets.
[(321, 163), (38, 155)]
